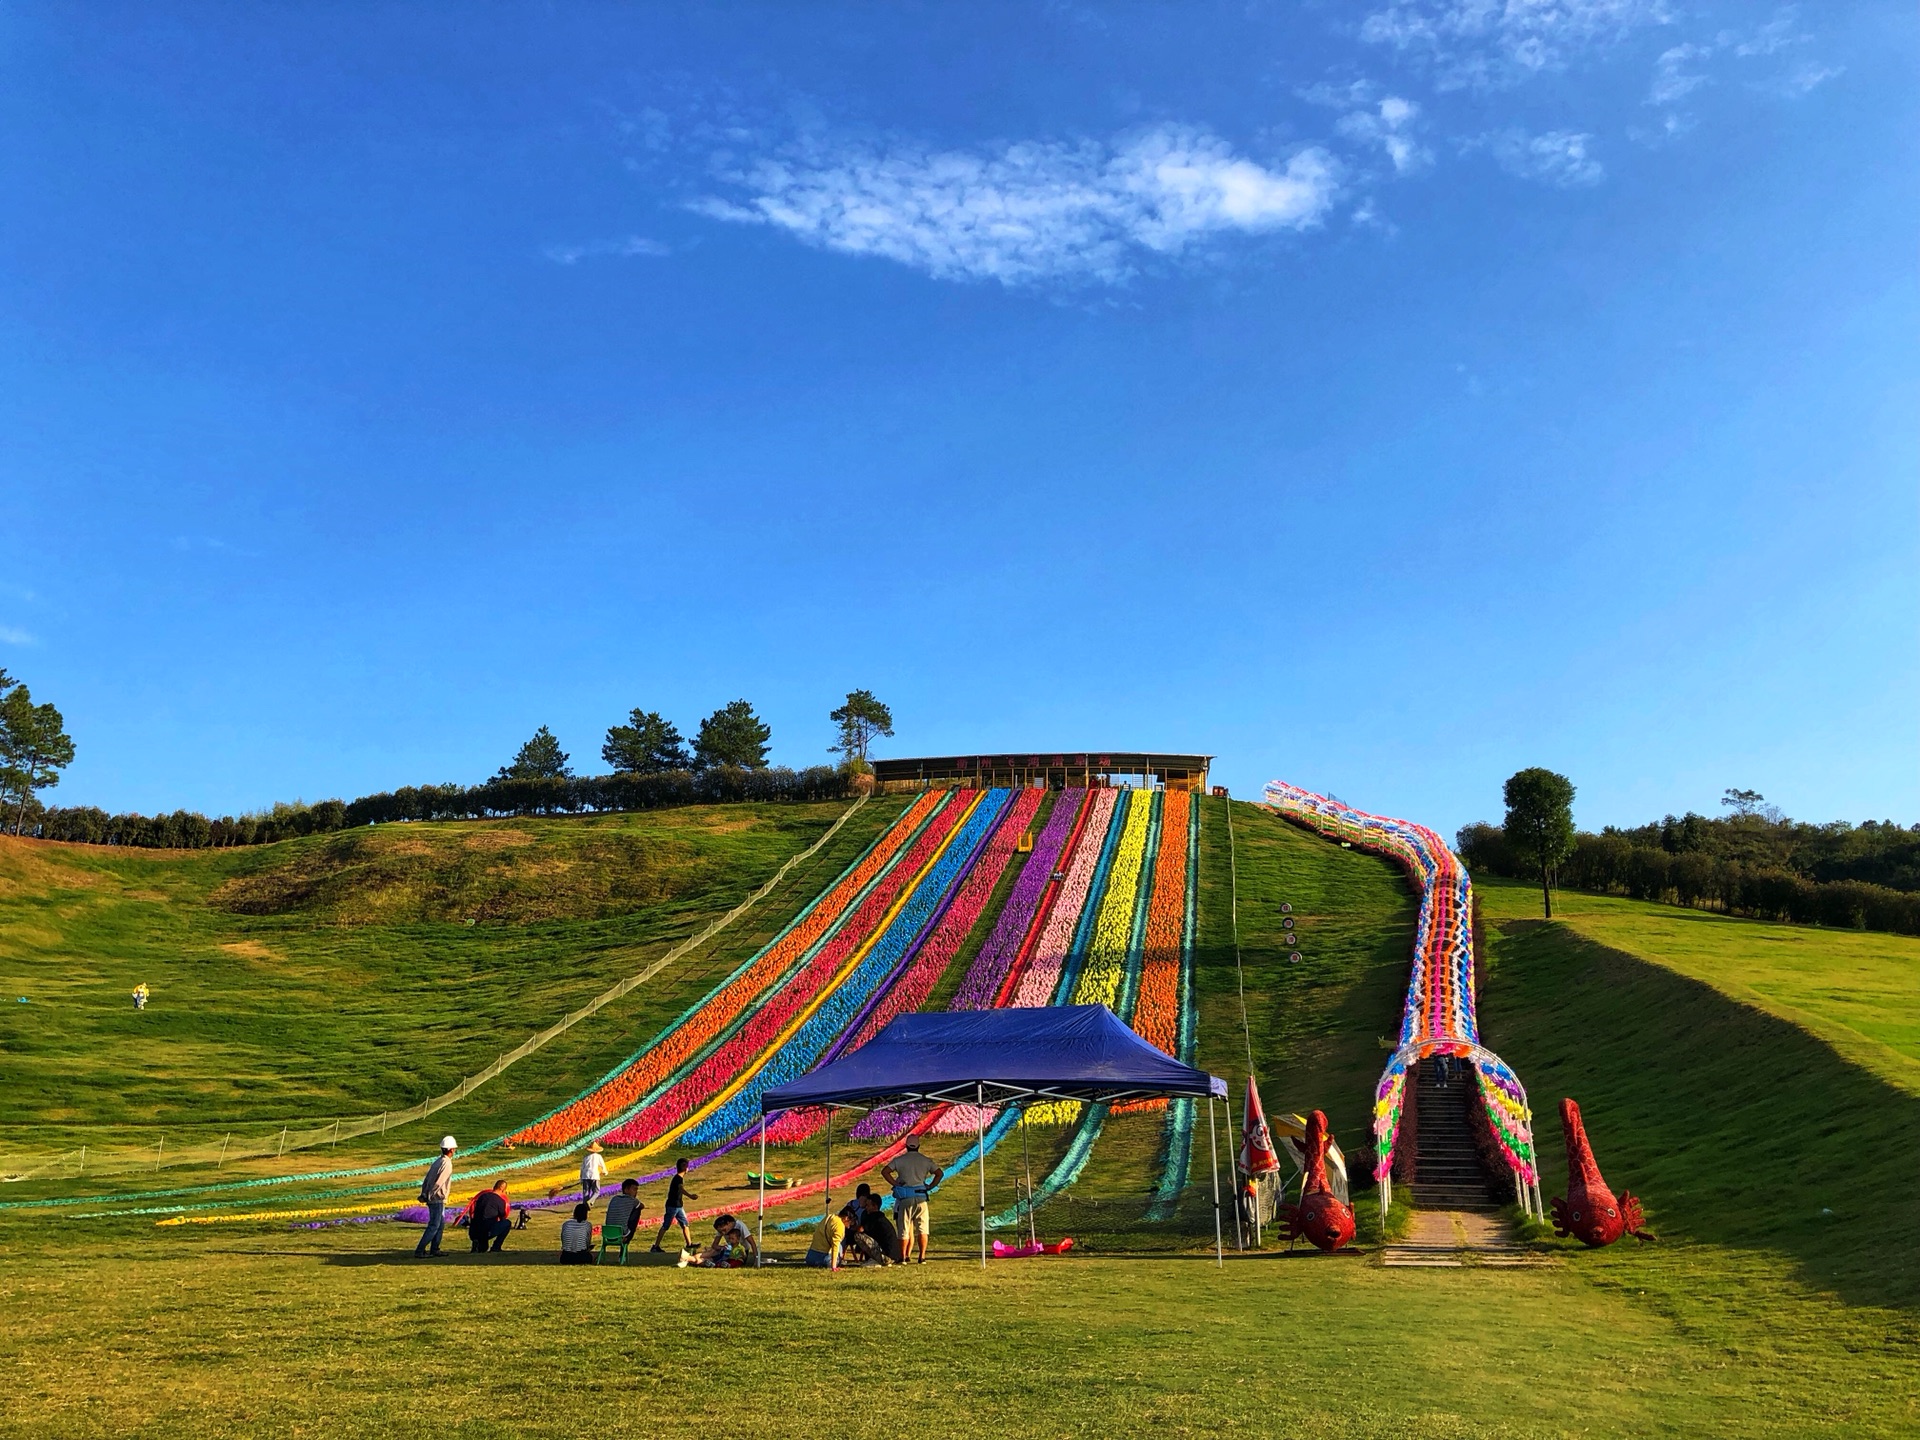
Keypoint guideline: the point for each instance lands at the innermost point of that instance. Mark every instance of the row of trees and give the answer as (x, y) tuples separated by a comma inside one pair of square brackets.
[(652, 767), (1731, 864)]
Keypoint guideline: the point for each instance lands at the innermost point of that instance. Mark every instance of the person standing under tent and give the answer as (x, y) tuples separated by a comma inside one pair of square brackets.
[(435, 1187), (593, 1170), (913, 1177), (676, 1207)]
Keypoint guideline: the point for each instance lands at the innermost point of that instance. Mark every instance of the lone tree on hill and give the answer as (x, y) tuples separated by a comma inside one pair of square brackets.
[(1539, 824), (732, 735), (860, 720), (541, 758), (34, 747), (645, 745)]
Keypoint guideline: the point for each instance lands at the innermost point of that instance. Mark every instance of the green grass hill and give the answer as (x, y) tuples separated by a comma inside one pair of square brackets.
[(1754, 1083)]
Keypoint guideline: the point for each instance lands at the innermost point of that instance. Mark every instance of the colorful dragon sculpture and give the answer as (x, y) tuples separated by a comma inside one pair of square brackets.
[(1321, 1216), (1589, 1209)]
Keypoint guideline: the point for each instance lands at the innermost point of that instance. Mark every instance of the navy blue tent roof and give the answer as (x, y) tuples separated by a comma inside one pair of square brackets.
[(1070, 1052)]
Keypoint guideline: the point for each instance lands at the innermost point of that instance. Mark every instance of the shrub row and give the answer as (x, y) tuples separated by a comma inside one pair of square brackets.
[(1614, 865), (569, 795)]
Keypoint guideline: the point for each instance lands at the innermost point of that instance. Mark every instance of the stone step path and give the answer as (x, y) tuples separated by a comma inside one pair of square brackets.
[(1455, 1239)]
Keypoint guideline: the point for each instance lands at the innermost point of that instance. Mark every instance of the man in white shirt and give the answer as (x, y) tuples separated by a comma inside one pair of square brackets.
[(912, 1175), (434, 1189), (593, 1170)]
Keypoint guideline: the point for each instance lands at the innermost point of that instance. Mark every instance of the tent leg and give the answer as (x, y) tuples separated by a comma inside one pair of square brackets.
[(980, 1160), (760, 1230), (829, 1189), (1213, 1155)]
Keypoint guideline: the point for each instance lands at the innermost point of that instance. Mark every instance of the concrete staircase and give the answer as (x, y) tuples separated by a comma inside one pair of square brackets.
[(1448, 1172)]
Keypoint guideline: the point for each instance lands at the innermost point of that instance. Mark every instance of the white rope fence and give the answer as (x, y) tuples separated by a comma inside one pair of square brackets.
[(121, 1160)]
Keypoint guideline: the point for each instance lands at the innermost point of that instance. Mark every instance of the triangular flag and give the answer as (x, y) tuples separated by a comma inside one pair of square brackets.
[(1257, 1155)]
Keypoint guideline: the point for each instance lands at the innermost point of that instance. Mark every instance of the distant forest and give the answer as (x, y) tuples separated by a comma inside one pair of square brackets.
[(1753, 862)]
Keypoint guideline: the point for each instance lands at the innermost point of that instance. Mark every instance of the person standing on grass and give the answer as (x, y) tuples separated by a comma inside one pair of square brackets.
[(593, 1170), (676, 1211), (434, 1189), (913, 1176)]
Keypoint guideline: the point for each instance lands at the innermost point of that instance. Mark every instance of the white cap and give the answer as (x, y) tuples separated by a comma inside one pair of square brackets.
[(446, 1143), (913, 1142)]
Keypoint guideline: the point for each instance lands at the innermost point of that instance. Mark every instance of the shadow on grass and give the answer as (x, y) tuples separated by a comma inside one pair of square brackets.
[(1736, 1128)]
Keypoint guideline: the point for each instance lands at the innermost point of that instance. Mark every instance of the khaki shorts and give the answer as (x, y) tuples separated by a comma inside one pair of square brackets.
[(910, 1217)]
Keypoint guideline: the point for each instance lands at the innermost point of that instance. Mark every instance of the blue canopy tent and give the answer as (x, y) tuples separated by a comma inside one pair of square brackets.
[(999, 1057)]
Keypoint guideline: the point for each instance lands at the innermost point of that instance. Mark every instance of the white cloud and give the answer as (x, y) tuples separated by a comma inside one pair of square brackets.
[(1484, 43), (1805, 77), (1555, 157), (632, 245), (1031, 211), (1390, 125), (13, 635), (1672, 79)]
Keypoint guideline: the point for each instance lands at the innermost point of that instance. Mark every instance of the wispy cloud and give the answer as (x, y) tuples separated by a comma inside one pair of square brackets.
[(13, 635), (1028, 212), (1488, 43), (1674, 77), (1554, 157), (631, 246), (1390, 125)]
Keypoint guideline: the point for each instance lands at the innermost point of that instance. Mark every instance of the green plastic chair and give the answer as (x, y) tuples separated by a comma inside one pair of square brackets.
[(608, 1237)]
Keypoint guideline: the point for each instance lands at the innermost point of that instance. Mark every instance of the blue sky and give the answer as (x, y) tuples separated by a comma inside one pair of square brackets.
[(1383, 397)]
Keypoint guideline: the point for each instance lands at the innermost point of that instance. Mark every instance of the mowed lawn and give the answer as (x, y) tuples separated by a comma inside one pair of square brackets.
[(341, 1334), (1857, 990)]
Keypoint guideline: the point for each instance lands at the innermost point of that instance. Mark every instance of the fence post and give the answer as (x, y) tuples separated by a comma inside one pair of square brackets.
[(223, 1151), (159, 1152), (83, 1162), (336, 1131), (283, 1143)]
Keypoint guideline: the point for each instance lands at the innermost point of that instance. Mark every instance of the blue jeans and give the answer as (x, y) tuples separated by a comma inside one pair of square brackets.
[(436, 1223)]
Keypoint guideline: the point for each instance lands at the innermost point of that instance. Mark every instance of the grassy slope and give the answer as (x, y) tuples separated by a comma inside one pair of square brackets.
[(1754, 1315), (257, 1019), (1858, 991)]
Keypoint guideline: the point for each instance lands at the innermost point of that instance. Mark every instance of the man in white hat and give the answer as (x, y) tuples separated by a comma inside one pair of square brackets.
[(434, 1190), (912, 1175), (593, 1171)]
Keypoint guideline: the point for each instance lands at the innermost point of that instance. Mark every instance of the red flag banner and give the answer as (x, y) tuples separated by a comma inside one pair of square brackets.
[(1257, 1155)]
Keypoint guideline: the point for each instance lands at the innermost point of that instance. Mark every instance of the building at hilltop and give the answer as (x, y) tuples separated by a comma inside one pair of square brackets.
[(1054, 769)]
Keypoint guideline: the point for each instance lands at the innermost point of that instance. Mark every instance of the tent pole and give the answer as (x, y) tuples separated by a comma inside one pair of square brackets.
[(760, 1237), (1213, 1155), (829, 1188), (980, 1160), (1026, 1164)]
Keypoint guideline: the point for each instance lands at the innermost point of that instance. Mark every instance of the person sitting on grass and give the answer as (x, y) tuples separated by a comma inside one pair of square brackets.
[(732, 1247), (576, 1238), (878, 1240), (623, 1214), (824, 1252), (490, 1218), (676, 1207)]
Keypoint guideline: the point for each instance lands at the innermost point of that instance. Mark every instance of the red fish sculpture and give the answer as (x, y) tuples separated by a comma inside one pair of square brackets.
[(1589, 1209), (1321, 1216)]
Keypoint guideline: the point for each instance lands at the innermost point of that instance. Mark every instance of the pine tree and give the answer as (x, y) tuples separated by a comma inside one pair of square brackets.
[(860, 720), (646, 745), (732, 735), (541, 758)]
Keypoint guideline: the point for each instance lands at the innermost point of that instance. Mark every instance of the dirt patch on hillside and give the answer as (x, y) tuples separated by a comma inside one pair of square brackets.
[(386, 876), (251, 950)]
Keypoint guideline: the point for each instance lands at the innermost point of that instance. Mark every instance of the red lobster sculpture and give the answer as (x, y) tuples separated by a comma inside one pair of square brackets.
[(1589, 1209), (1321, 1216)]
